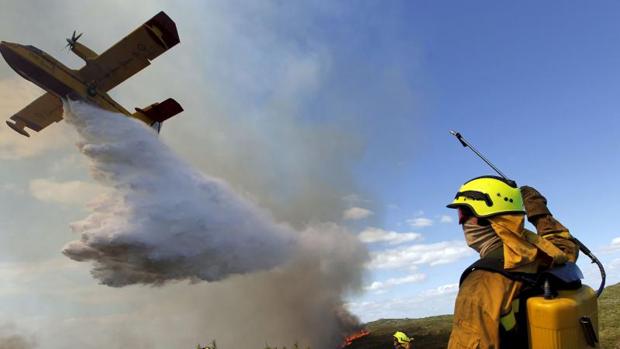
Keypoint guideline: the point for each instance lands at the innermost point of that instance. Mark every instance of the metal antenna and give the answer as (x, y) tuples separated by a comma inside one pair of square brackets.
[(466, 144)]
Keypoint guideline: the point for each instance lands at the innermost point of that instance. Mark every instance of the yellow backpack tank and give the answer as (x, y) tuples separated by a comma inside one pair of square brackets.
[(555, 310), (567, 321)]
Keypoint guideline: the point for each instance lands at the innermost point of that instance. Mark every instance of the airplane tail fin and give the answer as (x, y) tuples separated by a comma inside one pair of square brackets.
[(155, 114)]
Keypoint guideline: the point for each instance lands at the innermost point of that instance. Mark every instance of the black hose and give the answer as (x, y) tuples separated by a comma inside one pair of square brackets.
[(589, 253)]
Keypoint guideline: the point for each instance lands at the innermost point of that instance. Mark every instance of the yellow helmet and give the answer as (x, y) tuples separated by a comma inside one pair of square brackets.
[(401, 337), (488, 196)]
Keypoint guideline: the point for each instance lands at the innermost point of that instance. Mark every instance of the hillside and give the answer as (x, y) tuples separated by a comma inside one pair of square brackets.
[(433, 332), (430, 333), (609, 317)]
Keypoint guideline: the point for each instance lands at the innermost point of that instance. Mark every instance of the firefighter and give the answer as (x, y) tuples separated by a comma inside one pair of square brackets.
[(401, 341), (492, 214)]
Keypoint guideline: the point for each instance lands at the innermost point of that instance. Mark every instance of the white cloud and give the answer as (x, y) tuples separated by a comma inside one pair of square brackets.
[(70, 163), (441, 290), (612, 269), (356, 213), (420, 222), (27, 271), (383, 285), (70, 192), (372, 235), (354, 200), (615, 244), (22, 278), (11, 188), (439, 300), (432, 254), (446, 219)]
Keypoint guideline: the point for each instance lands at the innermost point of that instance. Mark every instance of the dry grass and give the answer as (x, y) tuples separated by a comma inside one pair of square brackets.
[(609, 317)]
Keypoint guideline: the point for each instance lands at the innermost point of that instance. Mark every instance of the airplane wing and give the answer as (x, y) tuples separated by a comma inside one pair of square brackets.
[(39, 114), (132, 54)]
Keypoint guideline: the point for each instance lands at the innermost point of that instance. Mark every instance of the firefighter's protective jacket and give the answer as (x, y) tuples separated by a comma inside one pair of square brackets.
[(485, 299)]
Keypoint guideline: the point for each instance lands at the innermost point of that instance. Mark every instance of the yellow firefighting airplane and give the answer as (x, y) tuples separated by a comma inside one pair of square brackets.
[(100, 74)]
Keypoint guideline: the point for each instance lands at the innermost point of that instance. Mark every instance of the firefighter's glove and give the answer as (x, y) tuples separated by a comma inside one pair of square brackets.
[(566, 245), (547, 247), (535, 204)]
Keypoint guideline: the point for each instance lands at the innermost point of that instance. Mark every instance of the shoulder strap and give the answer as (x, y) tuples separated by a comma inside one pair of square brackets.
[(496, 265)]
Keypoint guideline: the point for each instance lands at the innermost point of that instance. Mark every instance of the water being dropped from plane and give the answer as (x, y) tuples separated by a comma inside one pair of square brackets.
[(164, 220)]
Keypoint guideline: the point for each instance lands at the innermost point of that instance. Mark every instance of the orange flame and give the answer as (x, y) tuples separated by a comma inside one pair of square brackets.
[(349, 339)]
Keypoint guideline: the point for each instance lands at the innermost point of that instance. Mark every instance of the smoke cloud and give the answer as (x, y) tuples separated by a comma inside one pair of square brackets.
[(282, 101), (10, 340), (164, 221)]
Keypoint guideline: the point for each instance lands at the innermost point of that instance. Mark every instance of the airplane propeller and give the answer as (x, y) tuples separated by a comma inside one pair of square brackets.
[(71, 42)]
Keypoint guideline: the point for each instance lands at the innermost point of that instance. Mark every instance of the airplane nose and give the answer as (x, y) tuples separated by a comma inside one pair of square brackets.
[(3, 47), (7, 50), (6, 47)]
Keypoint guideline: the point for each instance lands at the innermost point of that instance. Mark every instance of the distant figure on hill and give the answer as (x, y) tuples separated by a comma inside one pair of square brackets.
[(401, 341)]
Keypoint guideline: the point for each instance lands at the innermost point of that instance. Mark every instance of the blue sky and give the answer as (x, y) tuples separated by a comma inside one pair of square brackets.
[(534, 86), (315, 108)]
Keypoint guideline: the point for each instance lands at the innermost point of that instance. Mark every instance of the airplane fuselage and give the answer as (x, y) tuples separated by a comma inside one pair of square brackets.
[(92, 82), (48, 73)]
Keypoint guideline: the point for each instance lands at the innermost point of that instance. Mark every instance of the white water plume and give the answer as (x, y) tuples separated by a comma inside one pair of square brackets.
[(163, 220)]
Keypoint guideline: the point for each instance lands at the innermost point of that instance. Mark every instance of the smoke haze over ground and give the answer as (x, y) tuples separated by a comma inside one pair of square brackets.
[(163, 221), (10, 340)]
